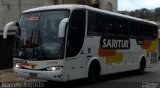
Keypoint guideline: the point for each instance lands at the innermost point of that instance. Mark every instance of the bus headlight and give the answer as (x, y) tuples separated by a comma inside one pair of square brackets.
[(54, 68), (17, 65)]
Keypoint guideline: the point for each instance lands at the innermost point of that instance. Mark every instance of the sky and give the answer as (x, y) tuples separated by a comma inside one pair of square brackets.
[(137, 4)]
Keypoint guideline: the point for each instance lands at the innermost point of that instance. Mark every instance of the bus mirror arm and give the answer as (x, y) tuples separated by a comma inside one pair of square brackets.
[(6, 28), (19, 29), (62, 27)]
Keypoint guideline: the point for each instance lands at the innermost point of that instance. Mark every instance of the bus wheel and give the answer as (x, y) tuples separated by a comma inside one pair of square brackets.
[(142, 66), (94, 72)]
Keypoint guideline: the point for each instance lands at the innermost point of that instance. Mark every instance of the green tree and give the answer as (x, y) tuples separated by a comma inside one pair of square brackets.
[(157, 14)]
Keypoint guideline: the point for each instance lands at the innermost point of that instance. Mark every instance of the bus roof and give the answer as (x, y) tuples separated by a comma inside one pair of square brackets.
[(52, 7), (75, 6)]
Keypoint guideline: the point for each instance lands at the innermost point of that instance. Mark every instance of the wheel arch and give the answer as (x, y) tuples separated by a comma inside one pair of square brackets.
[(141, 59), (93, 60)]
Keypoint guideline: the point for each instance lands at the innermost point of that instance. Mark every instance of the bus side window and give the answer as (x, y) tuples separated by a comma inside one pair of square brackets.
[(76, 33), (155, 32), (123, 27), (143, 30), (134, 27), (107, 24), (113, 25), (92, 26), (95, 25)]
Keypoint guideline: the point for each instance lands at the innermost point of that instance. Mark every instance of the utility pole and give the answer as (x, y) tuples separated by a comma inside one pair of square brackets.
[(3, 12), (19, 7)]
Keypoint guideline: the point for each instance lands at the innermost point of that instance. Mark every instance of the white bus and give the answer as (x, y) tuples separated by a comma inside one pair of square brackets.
[(69, 42)]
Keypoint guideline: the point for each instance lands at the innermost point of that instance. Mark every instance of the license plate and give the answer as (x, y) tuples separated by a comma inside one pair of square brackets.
[(33, 75)]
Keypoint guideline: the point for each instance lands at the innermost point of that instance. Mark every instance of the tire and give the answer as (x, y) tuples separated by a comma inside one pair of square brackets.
[(142, 66), (94, 73)]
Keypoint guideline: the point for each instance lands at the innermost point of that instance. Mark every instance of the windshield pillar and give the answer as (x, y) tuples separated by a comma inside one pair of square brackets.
[(76, 33)]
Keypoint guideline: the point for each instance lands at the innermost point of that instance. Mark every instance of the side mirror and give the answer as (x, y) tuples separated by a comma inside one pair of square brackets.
[(6, 28), (62, 26)]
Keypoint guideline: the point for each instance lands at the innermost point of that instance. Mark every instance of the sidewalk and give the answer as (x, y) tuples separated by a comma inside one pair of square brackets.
[(7, 75)]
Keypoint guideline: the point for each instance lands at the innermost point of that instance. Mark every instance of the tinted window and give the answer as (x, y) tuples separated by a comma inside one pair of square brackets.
[(110, 24), (76, 32), (123, 26), (94, 23)]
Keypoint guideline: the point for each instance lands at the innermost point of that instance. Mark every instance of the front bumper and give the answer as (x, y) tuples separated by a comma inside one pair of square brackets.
[(44, 75)]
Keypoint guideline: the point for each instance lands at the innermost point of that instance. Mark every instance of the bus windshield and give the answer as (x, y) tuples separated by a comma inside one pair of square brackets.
[(38, 37)]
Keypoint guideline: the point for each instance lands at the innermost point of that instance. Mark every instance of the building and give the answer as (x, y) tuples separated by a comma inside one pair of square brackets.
[(111, 5), (11, 9), (102, 4)]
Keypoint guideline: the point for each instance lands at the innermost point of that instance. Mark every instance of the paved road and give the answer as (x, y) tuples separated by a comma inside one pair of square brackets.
[(151, 79)]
